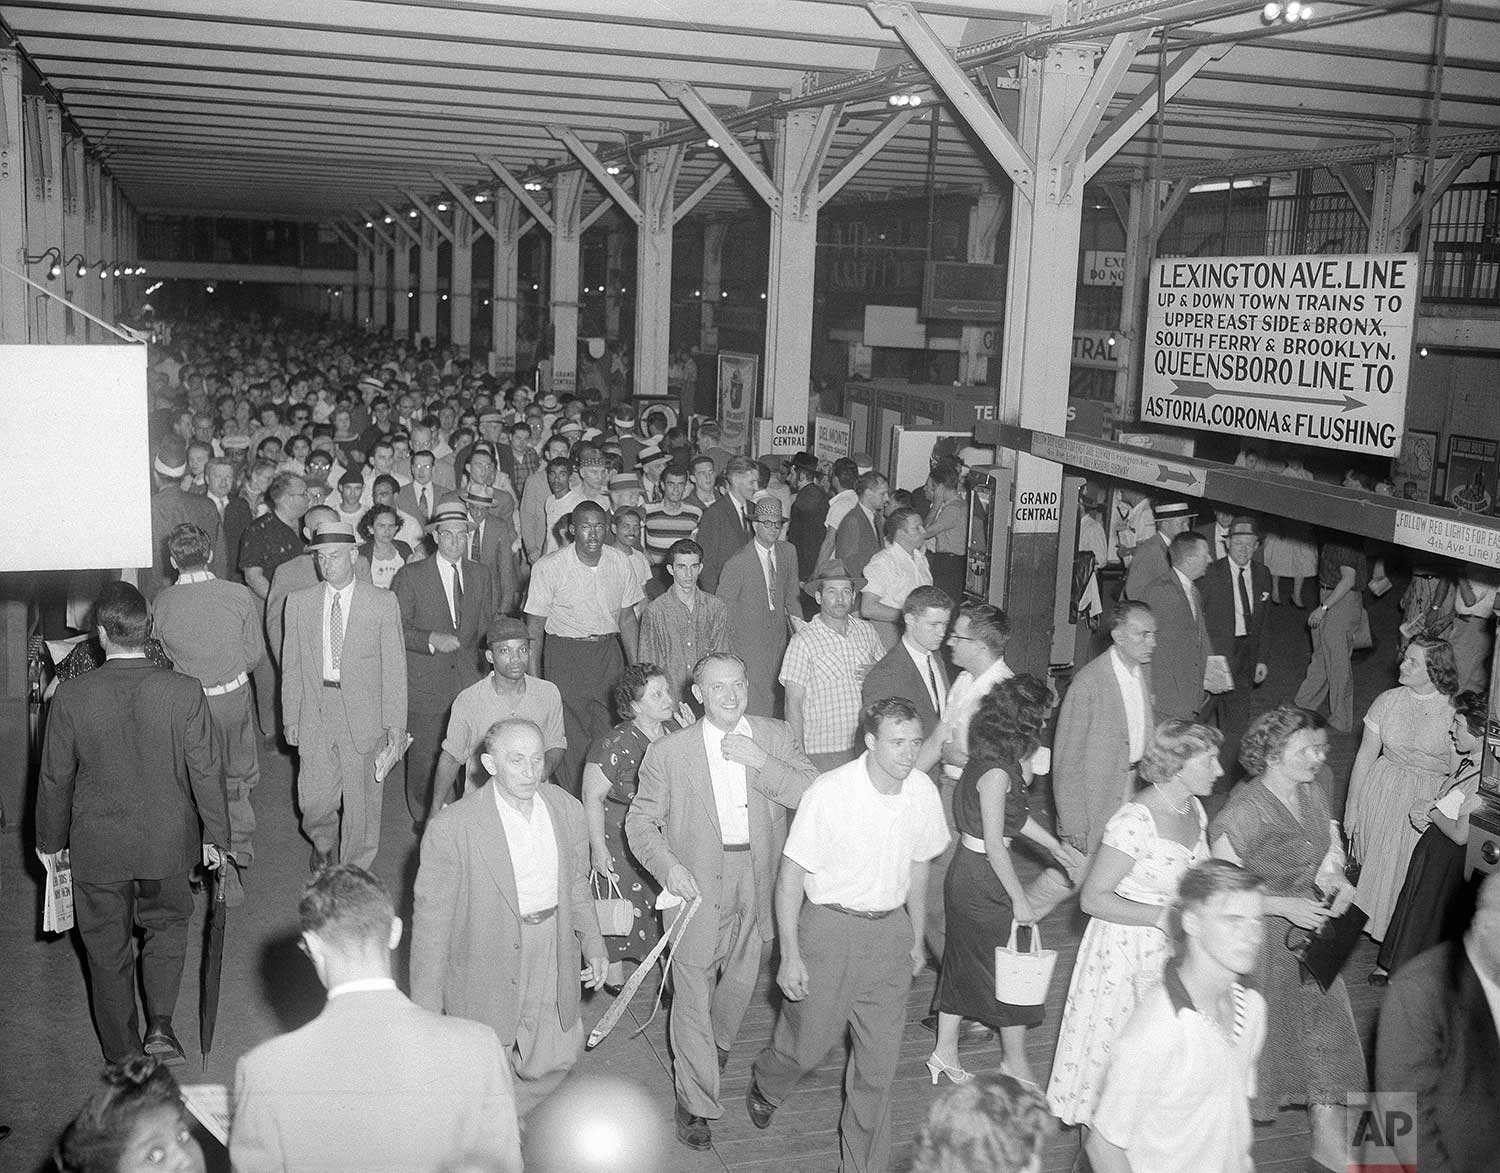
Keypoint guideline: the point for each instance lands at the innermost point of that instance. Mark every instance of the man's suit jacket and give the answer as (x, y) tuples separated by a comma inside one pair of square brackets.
[(757, 634), (1437, 1039), (722, 531), (373, 1083), (1147, 564), (295, 574), (805, 531), (1091, 774), (497, 536), (896, 675), (435, 678), (372, 669), (674, 819), (1182, 649), (1218, 588), (406, 499), (466, 929), (856, 541), (129, 774), (170, 508)]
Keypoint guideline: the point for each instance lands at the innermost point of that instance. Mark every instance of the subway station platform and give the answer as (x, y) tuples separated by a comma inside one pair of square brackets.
[(49, 1055)]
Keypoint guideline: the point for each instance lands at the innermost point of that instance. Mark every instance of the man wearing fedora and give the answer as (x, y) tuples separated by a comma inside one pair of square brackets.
[(343, 699), (492, 541), (447, 603), (1150, 561), (759, 589)]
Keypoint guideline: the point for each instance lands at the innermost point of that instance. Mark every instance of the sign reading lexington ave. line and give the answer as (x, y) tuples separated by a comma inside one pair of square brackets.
[(1312, 349)]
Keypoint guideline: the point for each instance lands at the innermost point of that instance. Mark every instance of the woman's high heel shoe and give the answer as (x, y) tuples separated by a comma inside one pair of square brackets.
[(936, 1067)]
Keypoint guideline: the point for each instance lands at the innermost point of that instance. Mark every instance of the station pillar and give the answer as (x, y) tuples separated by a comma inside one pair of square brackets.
[(656, 201), (567, 247), (401, 289), (461, 282), (504, 282)]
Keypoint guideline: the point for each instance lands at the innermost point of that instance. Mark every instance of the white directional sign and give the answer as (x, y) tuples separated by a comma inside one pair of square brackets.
[(1311, 350)]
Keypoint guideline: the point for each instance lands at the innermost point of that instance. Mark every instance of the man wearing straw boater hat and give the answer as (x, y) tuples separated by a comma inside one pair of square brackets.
[(343, 699)]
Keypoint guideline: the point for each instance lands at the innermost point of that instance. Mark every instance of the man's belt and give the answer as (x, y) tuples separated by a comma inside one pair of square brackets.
[(228, 686), (862, 913), (735, 846), (536, 918), (585, 639), (333, 684)]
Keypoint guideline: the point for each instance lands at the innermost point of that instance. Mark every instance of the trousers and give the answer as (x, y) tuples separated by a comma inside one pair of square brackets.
[(337, 791), (1330, 674), (234, 738)]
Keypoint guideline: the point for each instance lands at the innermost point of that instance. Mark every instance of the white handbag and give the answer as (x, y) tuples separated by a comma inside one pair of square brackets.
[(616, 914), (1022, 976)]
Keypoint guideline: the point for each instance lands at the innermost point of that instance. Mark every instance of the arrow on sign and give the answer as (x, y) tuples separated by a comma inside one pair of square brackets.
[(1192, 389), (1166, 474)]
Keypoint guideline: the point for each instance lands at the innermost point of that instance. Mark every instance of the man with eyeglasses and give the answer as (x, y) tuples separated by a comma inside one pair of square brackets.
[(709, 820)]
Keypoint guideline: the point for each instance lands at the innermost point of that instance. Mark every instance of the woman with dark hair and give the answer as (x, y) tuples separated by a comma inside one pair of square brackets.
[(1436, 900), (982, 894), (992, 1124), (134, 1123), (1403, 759), (1149, 843), (381, 549), (1277, 824), (643, 700)]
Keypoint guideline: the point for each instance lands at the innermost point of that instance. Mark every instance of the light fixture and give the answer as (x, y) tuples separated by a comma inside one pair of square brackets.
[(54, 270), (369, 223), (904, 100), (481, 198), (1422, 353), (612, 169), (486, 301), (208, 288), (117, 272), (445, 297), (713, 144), (724, 293), (532, 185), (535, 287), (1290, 12), (442, 207), (103, 268), (763, 297), (83, 269), (410, 295), (389, 220)]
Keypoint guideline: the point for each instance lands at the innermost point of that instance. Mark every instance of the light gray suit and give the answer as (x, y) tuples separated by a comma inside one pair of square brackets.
[(1092, 773), (674, 819), (339, 731), (470, 950), (374, 1083)]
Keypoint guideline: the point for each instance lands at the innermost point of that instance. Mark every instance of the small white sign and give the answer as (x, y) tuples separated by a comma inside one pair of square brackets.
[(833, 437), (1038, 502), (1143, 467), (1103, 268), (1463, 540)]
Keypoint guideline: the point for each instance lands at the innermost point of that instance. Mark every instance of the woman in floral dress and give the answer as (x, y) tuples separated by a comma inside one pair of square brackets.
[(1149, 844), (644, 701)]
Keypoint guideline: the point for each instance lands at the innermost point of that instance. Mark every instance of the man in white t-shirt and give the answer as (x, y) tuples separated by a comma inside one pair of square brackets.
[(851, 899), (1177, 1090)]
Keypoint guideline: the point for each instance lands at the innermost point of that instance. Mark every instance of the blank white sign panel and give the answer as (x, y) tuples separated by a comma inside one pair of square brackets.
[(74, 458)]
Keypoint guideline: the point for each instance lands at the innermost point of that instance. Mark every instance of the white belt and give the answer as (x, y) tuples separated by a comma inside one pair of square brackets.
[(229, 686), (977, 845)]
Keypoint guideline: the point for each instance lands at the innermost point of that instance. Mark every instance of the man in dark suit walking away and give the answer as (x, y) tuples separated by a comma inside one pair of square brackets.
[(1236, 594), (131, 790)]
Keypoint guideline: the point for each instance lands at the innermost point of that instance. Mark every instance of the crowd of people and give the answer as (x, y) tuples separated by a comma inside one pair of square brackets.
[(608, 658)]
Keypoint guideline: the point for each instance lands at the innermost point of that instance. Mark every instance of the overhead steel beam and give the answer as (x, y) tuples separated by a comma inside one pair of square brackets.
[(601, 209), (1096, 99), (1140, 109), (1358, 194), (377, 227), (615, 189), (966, 100), (468, 205), (1434, 190), (695, 197), (1477, 142), (429, 215), (517, 189), (866, 151), (400, 222), (711, 125)]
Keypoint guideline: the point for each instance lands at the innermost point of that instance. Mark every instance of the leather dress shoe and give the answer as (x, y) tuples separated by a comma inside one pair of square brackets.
[(760, 1109), (162, 1042), (693, 1130), (321, 860)]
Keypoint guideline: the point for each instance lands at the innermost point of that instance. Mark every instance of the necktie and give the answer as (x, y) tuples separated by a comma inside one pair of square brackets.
[(336, 631), (422, 502), (474, 542), (771, 577), (1244, 601), (1194, 602), (932, 687), (458, 596)]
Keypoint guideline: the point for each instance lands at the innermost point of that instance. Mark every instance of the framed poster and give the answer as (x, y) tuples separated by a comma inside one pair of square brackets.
[(738, 382), (1412, 471), (1471, 473), (669, 407)]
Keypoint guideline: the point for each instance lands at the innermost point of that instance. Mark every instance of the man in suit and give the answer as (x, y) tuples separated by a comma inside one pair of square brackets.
[(492, 541), (1182, 643), (725, 526), (447, 602), (343, 699), (1150, 560), (130, 789), (759, 590), (1437, 1041), (419, 497), (914, 669), (1236, 594), (412, 1088), (171, 506), (709, 820), (503, 913), (809, 510), (1103, 728), (857, 538)]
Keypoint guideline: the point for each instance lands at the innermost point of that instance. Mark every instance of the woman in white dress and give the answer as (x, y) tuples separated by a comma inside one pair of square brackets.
[(1149, 844), (1290, 549)]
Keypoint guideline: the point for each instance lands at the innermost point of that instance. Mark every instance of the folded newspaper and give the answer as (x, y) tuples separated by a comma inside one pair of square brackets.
[(387, 758), (57, 904)]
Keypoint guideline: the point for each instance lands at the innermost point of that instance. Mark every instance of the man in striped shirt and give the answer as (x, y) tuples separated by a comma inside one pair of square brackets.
[(671, 519)]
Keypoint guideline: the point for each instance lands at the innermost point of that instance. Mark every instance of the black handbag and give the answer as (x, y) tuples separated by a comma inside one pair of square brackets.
[(1322, 954)]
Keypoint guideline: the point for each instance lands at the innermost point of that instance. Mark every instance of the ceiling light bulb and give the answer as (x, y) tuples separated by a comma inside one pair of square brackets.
[(1270, 12), (442, 207), (480, 198), (83, 270), (713, 144), (389, 220), (54, 272), (445, 297), (412, 214), (208, 288), (612, 169), (916, 100)]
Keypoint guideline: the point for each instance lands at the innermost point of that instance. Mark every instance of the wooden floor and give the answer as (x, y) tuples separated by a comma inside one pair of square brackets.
[(50, 1056)]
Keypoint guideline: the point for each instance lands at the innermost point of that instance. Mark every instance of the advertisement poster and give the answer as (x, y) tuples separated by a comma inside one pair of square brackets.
[(738, 374), (1306, 349), (1471, 473), (1412, 471), (833, 437)]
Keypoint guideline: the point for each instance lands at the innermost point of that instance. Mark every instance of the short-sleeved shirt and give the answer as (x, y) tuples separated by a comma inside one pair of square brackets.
[(268, 542), (663, 528), (577, 600), (1335, 555), (479, 706), (893, 574), (858, 845), (831, 669), (1177, 1091)]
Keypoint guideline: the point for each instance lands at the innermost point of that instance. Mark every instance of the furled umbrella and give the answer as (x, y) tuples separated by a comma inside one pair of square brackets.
[(213, 963)]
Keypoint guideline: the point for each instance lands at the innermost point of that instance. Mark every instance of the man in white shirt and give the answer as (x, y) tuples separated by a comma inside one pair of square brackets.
[(218, 479), (412, 1087), (850, 903), (1473, 632), (893, 574)]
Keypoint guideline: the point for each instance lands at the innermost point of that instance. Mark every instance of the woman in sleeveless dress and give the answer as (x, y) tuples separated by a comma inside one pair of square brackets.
[(1149, 844)]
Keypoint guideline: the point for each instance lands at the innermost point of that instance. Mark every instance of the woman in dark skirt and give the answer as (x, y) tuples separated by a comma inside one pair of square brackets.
[(1436, 900), (982, 894), (644, 701)]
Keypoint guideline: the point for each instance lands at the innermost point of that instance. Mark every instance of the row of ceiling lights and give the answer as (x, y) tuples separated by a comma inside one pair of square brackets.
[(105, 268)]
